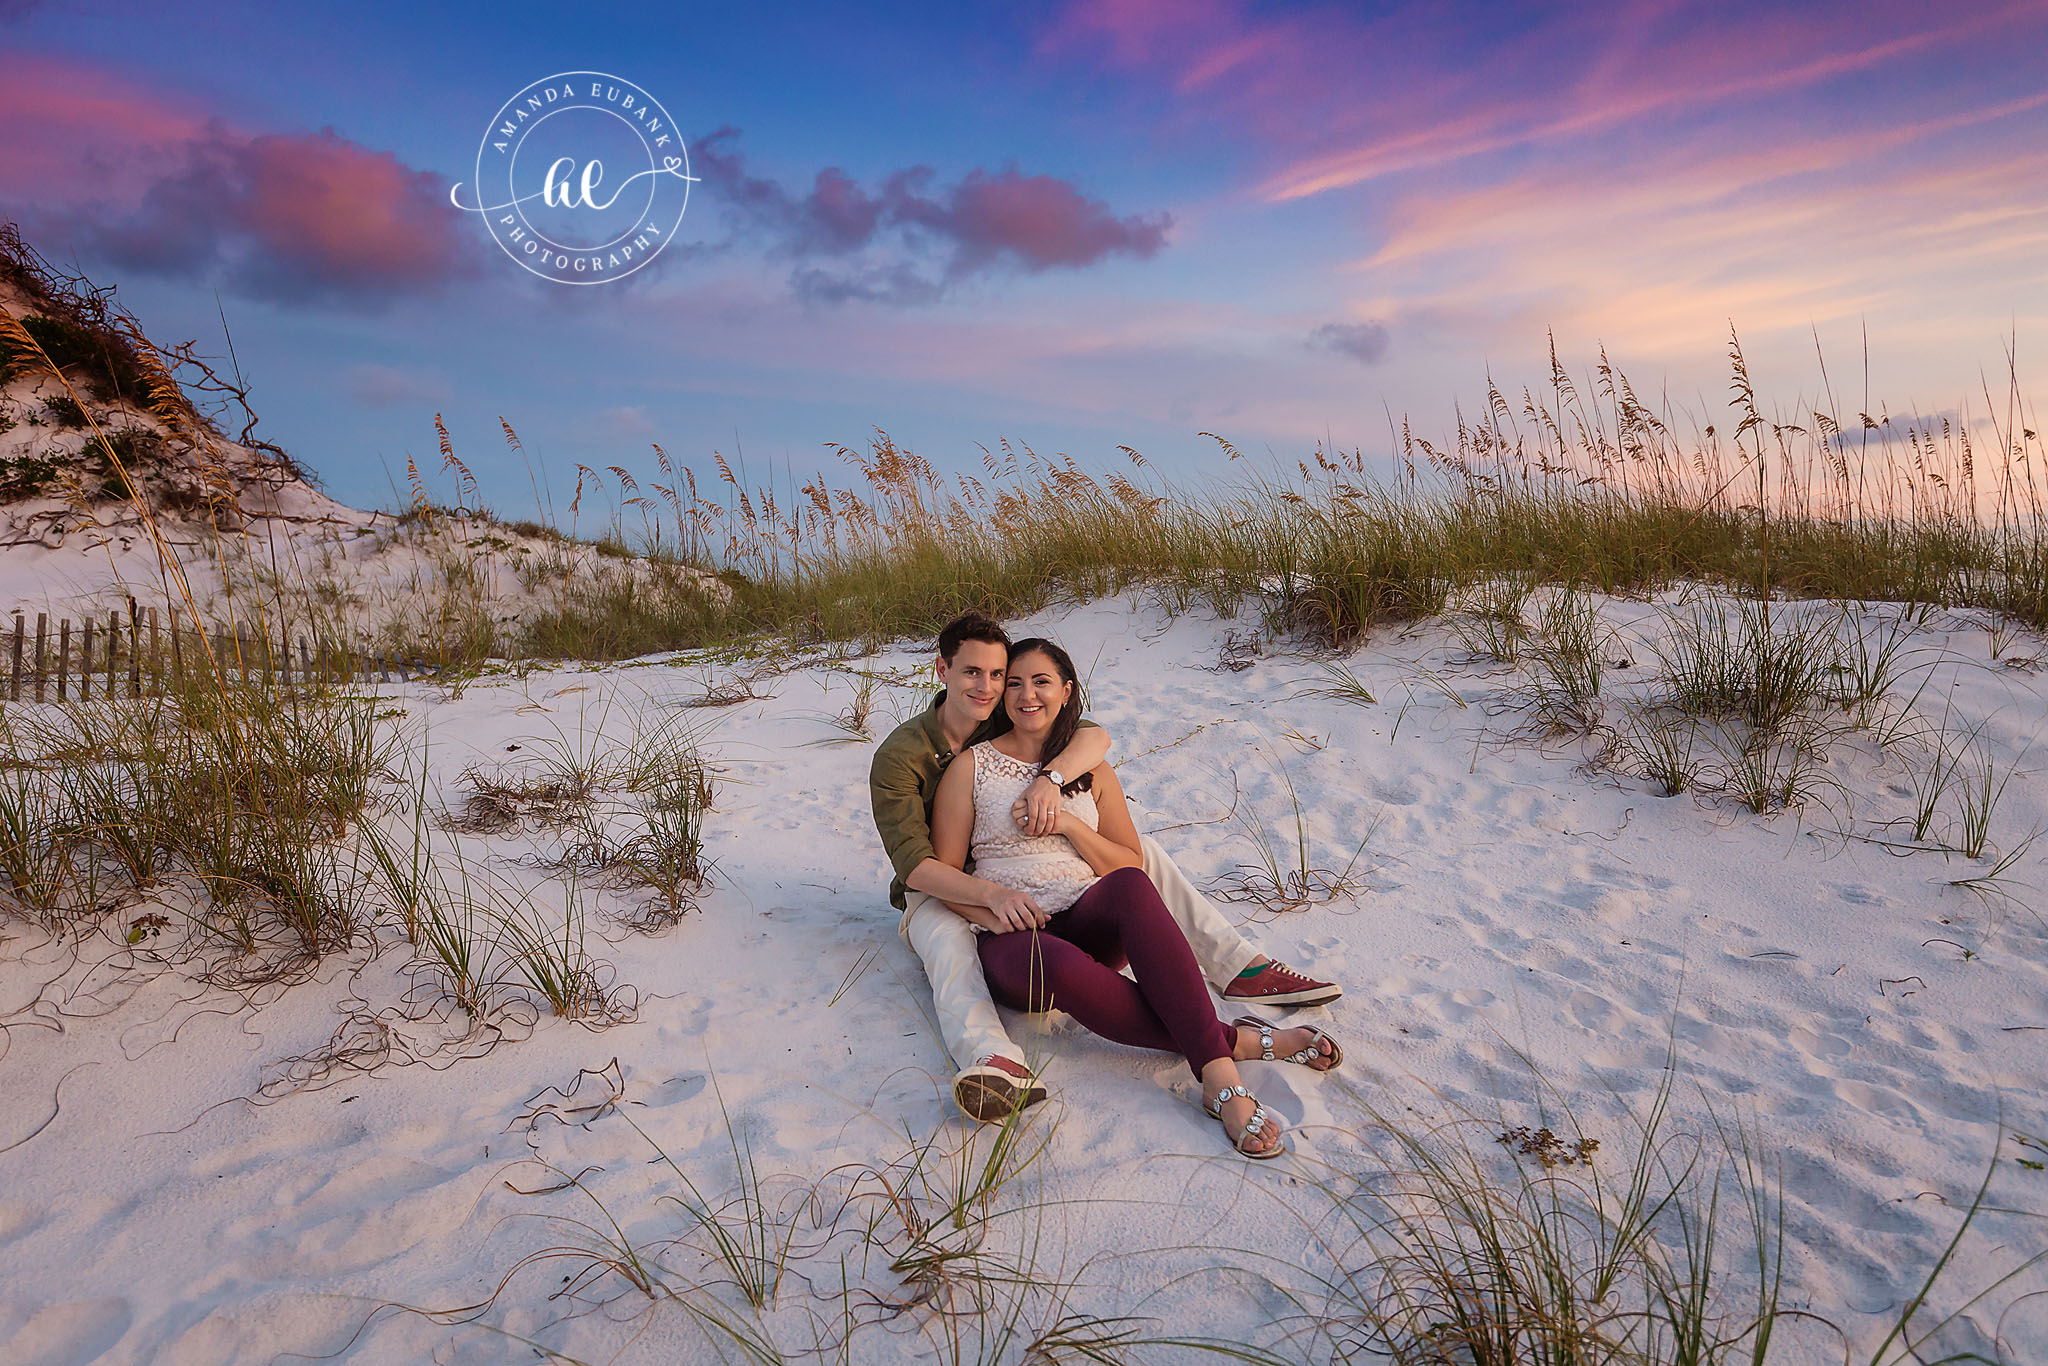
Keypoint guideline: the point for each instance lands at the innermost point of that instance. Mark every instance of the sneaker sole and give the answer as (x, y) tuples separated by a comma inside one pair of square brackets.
[(1308, 996), (992, 1099)]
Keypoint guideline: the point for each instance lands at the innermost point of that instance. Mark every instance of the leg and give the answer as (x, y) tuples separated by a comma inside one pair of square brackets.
[(1126, 910), (967, 1017), (1220, 949), (1167, 1008), (1217, 946), (1035, 970), (1122, 917)]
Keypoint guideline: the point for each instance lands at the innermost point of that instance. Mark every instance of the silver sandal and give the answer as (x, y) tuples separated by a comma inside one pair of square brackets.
[(1253, 1127), (1311, 1057)]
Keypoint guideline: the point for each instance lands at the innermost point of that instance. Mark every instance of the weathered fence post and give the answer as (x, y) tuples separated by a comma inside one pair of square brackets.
[(14, 677), (85, 665), (42, 650), (63, 657), (177, 651), (134, 649), (284, 641), (113, 653)]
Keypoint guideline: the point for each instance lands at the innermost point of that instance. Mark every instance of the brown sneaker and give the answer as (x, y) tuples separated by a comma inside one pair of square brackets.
[(1276, 984), (995, 1088)]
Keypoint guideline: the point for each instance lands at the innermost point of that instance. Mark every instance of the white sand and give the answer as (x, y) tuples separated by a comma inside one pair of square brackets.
[(1872, 1024)]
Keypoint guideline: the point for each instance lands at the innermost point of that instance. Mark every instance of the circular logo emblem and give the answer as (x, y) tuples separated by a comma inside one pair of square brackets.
[(581, 178)]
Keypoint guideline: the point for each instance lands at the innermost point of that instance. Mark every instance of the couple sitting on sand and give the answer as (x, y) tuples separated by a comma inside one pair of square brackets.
[(1001, 775)]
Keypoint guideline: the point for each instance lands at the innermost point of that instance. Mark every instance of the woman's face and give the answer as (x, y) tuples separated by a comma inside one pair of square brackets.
[(1034, 692)]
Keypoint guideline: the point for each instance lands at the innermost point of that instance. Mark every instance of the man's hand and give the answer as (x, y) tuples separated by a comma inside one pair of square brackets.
[(1017, 911), (1037, 812)]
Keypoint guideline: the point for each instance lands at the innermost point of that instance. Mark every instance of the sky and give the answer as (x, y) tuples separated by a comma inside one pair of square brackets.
[(1073, 226)]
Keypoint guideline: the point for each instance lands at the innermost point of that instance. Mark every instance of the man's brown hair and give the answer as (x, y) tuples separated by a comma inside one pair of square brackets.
[(970, 626)]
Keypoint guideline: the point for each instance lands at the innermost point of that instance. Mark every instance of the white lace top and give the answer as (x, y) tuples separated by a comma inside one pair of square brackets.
[(1045, 867)]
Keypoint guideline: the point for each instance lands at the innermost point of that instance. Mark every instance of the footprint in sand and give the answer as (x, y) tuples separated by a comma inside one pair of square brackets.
[(1628, 1057), (1618, 907), (1874, 1100), (18, 1220), (75, 1331), (1574, 969), (1456, 1007), (1821, 1047), (1591, 1011)]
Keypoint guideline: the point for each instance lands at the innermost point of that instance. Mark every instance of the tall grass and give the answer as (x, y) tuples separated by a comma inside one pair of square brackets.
[(242, 791), (1589, 489), (250, 811), (1569, 661)]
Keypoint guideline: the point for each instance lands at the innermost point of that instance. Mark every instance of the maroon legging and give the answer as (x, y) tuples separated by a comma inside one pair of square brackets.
[(1072, 964)]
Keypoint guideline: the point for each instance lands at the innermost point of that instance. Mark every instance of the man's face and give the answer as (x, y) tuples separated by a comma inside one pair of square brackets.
[(974, 680)]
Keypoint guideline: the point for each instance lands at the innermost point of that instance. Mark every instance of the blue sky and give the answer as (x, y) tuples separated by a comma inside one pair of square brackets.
[(1138, 221)]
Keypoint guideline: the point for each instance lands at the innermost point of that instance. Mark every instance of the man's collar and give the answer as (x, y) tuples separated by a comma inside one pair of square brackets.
[(933, 721)]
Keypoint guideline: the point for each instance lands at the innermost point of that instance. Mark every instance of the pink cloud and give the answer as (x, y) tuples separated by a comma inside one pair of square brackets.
[(153, 185), (1658, 255), (984, 221), (69, 130), (1345, 99), (1037, 221)]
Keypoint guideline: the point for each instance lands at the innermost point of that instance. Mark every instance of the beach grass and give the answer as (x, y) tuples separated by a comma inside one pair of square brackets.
[(1813, 504)]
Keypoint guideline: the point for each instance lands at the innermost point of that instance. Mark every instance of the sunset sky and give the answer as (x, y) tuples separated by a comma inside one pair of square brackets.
[(1076, 226)]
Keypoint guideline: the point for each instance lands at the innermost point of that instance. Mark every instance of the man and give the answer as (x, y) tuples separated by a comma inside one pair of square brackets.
[(994, 1080)]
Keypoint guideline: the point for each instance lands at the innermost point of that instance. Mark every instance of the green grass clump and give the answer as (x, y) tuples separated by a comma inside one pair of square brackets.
[(100, 362), (1760, 670), (26, 476)]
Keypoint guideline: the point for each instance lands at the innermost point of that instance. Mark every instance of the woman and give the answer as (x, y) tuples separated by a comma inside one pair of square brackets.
[(1103, 911)]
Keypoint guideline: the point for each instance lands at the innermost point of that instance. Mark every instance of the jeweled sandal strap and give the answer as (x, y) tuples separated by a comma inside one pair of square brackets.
[(1314, 1052)]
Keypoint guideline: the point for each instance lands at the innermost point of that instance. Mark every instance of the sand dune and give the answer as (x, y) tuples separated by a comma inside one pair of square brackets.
[(1516, 911)]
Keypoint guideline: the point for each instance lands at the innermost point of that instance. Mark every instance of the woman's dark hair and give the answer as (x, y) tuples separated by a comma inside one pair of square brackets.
[(1069, 719), (969, 626)]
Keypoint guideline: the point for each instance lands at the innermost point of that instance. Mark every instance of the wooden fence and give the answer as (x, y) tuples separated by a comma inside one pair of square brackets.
[(136, 653)]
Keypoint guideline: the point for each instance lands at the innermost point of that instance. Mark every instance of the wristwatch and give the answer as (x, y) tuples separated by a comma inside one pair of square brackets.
[(1057, 778)]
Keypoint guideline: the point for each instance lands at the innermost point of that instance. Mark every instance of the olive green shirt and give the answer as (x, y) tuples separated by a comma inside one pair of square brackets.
[(903, 783)]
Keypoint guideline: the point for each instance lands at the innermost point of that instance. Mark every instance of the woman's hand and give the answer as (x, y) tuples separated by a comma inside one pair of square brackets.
[(1037, 812), (1016, 911)]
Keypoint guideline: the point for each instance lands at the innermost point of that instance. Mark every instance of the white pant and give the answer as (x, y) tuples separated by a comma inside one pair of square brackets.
[(952, 960)]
